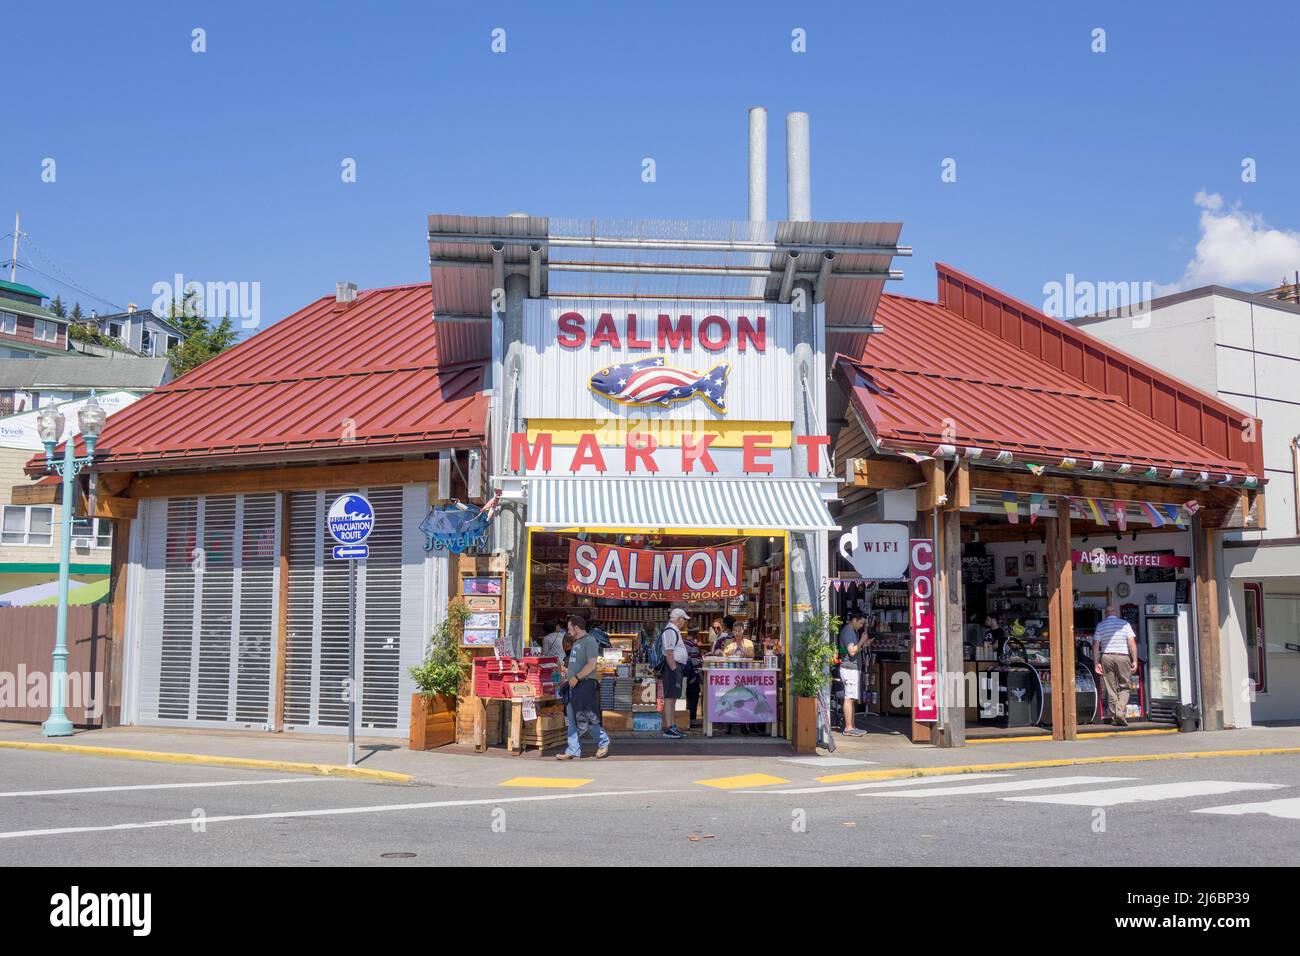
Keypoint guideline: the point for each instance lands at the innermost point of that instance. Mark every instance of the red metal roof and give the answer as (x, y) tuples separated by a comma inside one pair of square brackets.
[(322, 382), (1002, 377)]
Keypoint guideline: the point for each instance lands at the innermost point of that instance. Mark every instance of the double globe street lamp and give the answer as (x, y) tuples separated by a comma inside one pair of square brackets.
[(49, 424)]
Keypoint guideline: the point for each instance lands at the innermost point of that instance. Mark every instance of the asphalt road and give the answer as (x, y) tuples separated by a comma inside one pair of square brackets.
[(1137, 814)]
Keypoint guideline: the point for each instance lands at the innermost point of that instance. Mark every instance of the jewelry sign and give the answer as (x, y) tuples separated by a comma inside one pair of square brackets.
[(634, 574)]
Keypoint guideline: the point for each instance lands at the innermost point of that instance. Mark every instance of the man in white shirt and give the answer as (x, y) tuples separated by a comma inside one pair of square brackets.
[(1114, 648), (675, 658)]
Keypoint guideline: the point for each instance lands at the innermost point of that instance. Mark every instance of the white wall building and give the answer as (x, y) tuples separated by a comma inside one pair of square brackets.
[(1246, 348)]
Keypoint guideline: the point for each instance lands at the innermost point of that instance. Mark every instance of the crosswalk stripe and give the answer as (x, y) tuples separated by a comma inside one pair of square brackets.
[(908, 782), (1002, 787), (555, 783), (1287, 808), (1156, 791)]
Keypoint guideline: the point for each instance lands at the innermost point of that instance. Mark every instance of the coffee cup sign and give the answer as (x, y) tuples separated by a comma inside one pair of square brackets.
[(878, 552)]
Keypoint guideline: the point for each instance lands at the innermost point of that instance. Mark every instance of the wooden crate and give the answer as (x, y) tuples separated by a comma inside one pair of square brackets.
[(465, 720)]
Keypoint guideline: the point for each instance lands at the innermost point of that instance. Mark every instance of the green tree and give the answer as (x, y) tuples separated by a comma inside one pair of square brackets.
[(202, 339), (58, 308), (76, 314)]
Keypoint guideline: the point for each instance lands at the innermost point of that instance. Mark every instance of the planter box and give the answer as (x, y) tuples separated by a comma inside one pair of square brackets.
[(433, 721), (805, 725)]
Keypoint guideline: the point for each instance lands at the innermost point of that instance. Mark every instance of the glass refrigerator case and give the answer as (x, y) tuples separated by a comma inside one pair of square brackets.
[(1166, 640)]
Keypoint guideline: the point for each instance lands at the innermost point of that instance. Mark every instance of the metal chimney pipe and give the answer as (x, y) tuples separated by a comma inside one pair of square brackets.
[(758, 164), (798, 175)]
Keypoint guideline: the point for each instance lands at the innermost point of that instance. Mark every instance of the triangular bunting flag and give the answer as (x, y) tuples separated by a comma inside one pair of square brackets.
[(1250, 481), (1035, 469), (1123, 469), (1121, 515), (915, 457), (1150, 472), (1203, 476), (1004, 458), (1093, 507), (972, 453), (1174, 514), (1192, 506), (1152, 514), (945, 451), (1011, 503), (1175, 474), (1067, 463), (1035, 505), (1096, 466)]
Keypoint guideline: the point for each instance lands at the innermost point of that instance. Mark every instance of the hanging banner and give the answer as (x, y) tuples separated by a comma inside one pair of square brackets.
[(635, 574), (1116, 560), (925, 672)]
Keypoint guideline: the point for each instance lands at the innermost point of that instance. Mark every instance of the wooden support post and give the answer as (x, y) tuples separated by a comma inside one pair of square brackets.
[(282, 617), (948, 598), (1207, 626), (117, 590), (1063, 685), (933, 494), (1060, 621)]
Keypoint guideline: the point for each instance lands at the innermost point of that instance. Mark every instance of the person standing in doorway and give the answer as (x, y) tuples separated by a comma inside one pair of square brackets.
[(1114, 648), (553, 643), (853, 667), (674, 669), (583, 711)]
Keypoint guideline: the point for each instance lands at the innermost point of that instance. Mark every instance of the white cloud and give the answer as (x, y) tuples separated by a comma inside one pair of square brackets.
[(1237, 248)]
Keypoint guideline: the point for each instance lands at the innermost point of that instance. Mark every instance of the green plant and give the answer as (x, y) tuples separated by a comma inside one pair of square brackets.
[(817, 650), (446, 665)]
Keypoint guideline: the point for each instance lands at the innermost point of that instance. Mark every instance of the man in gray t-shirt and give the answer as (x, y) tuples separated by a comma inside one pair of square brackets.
[(853, 666)]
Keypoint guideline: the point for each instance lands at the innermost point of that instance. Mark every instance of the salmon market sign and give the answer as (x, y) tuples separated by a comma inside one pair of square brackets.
[(636, 574)]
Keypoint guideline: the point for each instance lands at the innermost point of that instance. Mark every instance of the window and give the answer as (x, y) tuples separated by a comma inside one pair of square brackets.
[(30, 526), (46, 331), (99, 531), (1253, 631), (173, 342), (8, 322), (146, 342), (115, 329)]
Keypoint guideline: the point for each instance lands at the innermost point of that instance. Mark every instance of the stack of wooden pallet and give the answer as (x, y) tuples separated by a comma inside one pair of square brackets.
[(547, 731), (469, 706)]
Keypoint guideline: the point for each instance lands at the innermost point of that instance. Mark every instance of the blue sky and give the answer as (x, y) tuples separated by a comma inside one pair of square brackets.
[(225, 165)]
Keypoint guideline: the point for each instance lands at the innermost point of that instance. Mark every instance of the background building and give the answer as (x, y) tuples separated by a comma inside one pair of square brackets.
[(27, 328), (1244, 347)]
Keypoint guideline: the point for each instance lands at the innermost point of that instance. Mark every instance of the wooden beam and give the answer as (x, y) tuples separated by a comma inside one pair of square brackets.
[(31, 493), (110, 483), (883, 474), (1207, 625), (115, 508), (932, 494), (282, 617), (296, 478), (1245, 505), (992, 480)]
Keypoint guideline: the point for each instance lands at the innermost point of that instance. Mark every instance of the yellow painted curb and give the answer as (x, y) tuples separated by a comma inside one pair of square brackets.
[(1081, 737), (209, 760), (902, 772), (744, 780), (554, 783)]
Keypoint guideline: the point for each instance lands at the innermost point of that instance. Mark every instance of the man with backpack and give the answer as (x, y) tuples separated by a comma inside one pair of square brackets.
[(673, 658)]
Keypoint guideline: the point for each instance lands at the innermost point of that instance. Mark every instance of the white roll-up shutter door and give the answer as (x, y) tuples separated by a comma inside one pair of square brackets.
[(207, 648)]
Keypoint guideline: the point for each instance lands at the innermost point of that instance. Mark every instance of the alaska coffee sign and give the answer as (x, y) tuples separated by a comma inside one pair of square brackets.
[(596, 358), (635, 574)]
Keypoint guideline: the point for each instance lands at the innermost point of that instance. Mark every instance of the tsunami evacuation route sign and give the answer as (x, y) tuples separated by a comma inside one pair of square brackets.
[(350, 520)]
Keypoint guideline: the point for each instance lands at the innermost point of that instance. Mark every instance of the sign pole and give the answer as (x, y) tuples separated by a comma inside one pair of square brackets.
[(352, 663)]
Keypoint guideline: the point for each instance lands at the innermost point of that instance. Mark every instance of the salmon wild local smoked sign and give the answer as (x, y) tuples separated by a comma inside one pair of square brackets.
[(635, 574)]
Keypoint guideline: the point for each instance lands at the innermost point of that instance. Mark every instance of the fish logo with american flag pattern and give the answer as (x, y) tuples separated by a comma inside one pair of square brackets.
[(651, 382)]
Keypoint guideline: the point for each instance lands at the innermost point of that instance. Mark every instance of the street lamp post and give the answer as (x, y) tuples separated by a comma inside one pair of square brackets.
[(49, 423)]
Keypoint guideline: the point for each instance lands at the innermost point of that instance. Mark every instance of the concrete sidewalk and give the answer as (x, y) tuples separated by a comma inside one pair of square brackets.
[(635, 765)]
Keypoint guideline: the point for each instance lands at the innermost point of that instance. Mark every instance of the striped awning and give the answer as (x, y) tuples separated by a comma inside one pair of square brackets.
[(788, 504)]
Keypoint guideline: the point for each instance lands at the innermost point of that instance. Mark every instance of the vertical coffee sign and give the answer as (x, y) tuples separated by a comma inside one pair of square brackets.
[(925, 704)]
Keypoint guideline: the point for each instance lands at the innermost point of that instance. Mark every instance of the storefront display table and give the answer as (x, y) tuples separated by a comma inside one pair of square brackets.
[(738, 691), (513, 709)]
